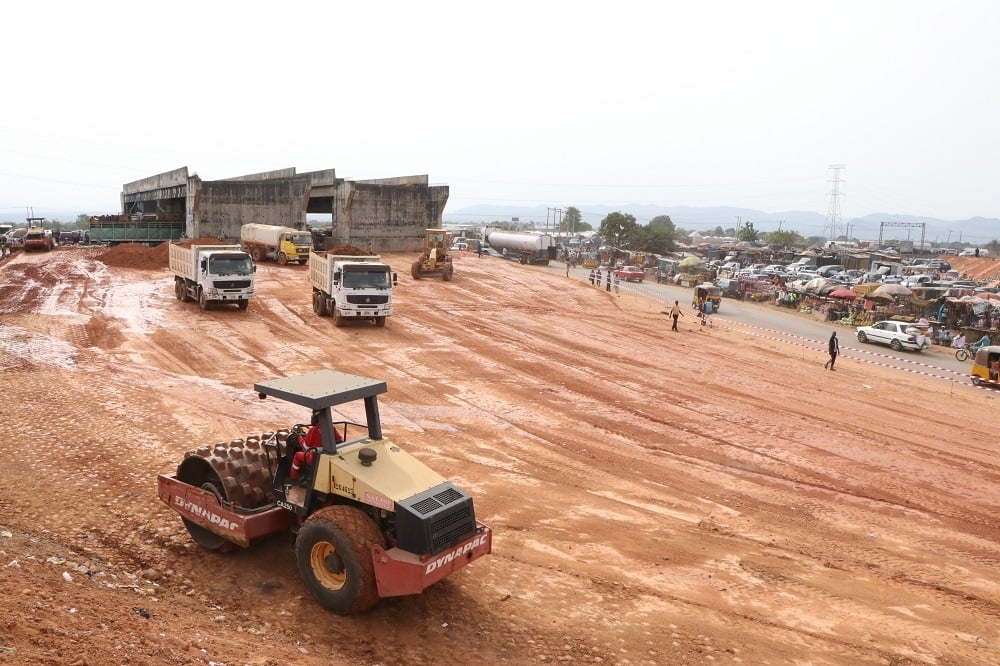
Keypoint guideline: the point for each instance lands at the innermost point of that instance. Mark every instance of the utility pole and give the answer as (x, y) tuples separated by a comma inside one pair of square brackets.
[(555, 213)]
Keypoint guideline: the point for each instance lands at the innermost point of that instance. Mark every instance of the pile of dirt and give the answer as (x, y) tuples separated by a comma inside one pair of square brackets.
[(134, 255), (346, 250)]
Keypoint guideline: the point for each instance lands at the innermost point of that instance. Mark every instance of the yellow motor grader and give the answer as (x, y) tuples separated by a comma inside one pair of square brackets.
[(368, 519), (435, 259)]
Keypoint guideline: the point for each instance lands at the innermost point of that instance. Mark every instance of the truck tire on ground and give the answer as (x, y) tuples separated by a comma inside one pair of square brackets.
[(415, 269), (448, 272), (319, 304), (257, 255), (179, 291), (338, 320), (380, 321), (282, 259), (334, 554), (202, 301), (243, 304)]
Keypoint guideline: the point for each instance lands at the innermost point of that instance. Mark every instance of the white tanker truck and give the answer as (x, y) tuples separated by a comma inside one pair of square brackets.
[(523, 247)]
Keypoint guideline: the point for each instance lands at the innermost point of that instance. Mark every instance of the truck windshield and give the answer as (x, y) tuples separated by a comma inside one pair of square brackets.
[(362, 279), (230, 264), (302, 239)]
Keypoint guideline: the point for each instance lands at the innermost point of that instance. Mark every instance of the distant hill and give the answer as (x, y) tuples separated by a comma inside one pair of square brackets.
[(977, 230)]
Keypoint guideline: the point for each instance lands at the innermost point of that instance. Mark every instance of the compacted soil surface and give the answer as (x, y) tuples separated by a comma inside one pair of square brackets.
[(707, 496)]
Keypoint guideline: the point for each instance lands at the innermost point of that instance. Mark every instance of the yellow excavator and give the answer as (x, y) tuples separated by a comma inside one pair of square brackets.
[(434, 260)]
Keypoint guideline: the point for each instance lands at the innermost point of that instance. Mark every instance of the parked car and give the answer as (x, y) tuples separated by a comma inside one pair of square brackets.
[(459, 247), (66, 237), (805, 275), (630, 274), (830, 270), (896, 334), (939, 265), (922, 280)]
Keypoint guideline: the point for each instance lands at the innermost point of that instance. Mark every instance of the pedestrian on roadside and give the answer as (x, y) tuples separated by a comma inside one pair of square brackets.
[(675, 313), (567, 267), (607, 278), (598, 282), (834, 349), (707, 307), (591, 276)]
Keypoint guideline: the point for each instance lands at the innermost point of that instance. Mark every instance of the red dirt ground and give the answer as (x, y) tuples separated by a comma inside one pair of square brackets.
[(702, 497)]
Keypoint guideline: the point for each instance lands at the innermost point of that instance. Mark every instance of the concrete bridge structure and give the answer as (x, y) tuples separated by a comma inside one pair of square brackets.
[(388, 213)]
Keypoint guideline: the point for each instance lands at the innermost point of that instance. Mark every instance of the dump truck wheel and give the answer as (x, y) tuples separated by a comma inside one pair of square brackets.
[(202, 301), (243, 304), (380, 321), (179, 290), (282, 258), (258, 255), (334, 553), (338, 320)]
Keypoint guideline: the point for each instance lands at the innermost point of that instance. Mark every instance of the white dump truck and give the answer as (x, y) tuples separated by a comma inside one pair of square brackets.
[(350, 287), (211, 274), (281, 244), (525, 248)]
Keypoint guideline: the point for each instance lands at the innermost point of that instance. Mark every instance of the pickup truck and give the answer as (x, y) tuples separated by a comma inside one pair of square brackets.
[(630, 274)]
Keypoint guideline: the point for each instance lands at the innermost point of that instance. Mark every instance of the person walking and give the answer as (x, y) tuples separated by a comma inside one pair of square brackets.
[(598, 278), (834, 349), (675, 313), (607, 278), (591, 277), (567, 266)]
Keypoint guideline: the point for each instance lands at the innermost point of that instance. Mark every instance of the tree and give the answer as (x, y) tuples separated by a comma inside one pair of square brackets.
[(83, 221), (618, 230), (658, 237), (747, 233), (784, 238), (994, 248), (571, 220)]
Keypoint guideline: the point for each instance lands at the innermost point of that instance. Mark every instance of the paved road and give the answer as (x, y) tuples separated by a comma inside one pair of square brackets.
[(799, 330)]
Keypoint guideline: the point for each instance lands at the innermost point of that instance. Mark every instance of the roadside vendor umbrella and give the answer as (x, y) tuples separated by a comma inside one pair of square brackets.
[(842, 292), (892, 289)]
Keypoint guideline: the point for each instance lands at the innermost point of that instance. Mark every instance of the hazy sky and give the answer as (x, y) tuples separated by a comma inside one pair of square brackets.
[(517, 103)]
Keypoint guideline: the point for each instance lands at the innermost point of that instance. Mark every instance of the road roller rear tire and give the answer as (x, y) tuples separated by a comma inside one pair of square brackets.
[(334, 554)]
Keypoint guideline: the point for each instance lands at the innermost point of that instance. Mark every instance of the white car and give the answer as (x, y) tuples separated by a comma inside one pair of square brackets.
[(896, 334)]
